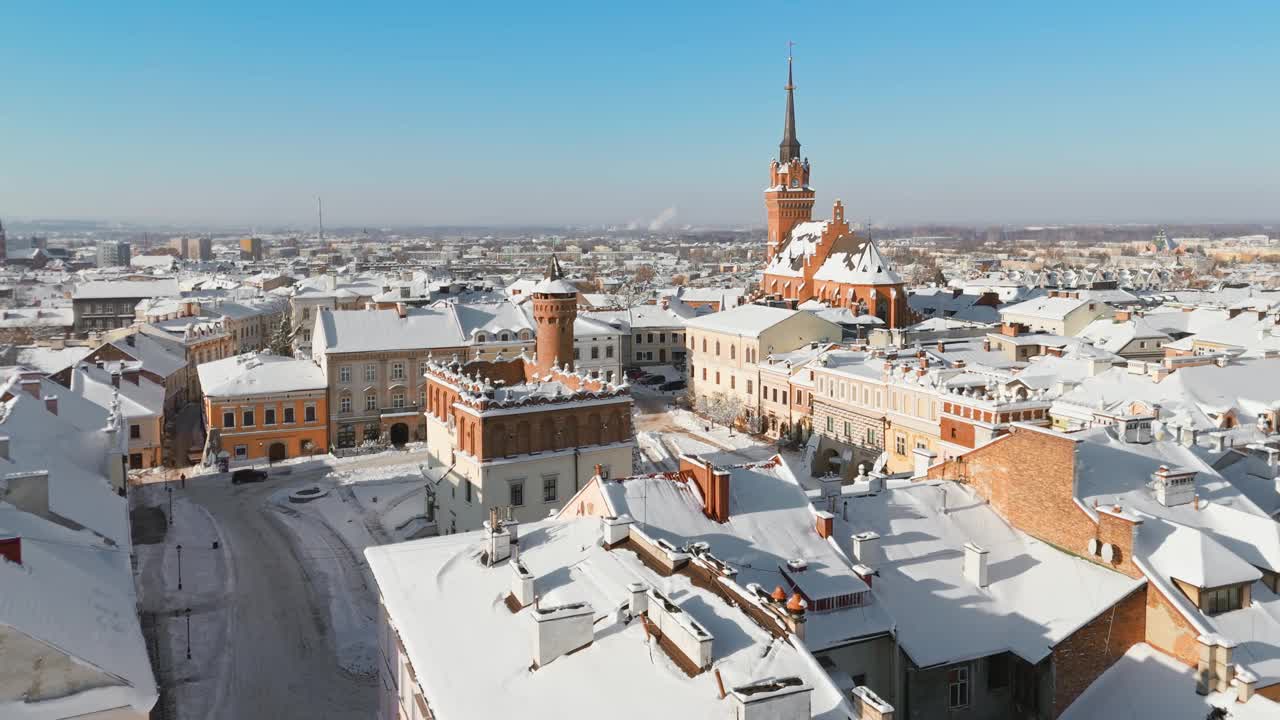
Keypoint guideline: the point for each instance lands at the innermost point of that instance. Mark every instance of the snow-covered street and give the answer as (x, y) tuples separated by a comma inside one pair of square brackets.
[(283, 609)]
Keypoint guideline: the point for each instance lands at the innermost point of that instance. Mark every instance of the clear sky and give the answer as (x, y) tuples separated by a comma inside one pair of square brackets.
[(610, 112)]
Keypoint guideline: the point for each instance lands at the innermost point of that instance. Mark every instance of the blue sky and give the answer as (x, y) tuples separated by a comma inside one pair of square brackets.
[(470, 113)]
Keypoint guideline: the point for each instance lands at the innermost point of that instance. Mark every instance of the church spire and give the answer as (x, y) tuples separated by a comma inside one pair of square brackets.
[(789, 148)]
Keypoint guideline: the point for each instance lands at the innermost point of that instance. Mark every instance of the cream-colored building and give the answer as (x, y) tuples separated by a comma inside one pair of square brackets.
[(726, 349), (1059, 313)]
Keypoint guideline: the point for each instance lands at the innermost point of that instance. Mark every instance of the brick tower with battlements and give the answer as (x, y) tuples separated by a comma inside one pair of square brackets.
[(555, 307)]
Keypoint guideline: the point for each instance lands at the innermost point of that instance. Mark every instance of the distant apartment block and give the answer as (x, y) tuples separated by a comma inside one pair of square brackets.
[(113, 253)]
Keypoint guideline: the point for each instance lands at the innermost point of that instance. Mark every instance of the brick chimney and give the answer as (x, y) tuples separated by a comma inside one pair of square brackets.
[(712, 482), (51, 404), (11, 549), (824, 524), (869, 706)]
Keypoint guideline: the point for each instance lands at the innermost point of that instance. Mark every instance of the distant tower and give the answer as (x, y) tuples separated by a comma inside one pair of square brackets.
[(789, 199), (4, 251), (555, 307)]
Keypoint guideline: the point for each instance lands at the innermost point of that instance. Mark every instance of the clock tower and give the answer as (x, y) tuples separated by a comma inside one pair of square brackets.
[(788, 199)]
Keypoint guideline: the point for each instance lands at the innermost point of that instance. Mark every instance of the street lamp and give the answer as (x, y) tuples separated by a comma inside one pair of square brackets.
[(188, 614), (169, 489), (179, 566)]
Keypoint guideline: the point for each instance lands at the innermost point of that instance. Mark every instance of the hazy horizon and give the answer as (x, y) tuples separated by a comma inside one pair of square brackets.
[(582, 115)]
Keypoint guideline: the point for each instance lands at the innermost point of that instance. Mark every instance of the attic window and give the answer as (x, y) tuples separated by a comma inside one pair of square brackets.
[(1220, 600), (480, 337)]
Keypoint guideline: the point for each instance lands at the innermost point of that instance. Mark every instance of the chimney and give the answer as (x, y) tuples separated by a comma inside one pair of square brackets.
[(866, 548), (639, 603), (11, 549), (521, 584), (31, 386), (986, 344), (130, 340), (400, 310), (1246, 684), (1173, 487), (51, 404), (825, 523), (786, 698), (869, 706), (1214, 670), (690, 638), (115, 378), (924, 459), (1217, 441), (941, 347), (1187, 436), (975, 565), (4, 447), (1122, 316), (561, 630), (616, 529), (497, 542)]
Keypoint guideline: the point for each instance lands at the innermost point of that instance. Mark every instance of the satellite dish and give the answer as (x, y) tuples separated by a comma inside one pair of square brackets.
[(1109, 552), (1093, 546)]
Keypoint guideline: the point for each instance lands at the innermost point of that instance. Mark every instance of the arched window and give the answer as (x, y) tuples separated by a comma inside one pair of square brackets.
[(704, 344), (479, 337), (717, 348), (733, 352)]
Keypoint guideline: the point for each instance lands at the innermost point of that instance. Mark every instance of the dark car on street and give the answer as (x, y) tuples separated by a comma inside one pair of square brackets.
[(673, 386), (248, 475)]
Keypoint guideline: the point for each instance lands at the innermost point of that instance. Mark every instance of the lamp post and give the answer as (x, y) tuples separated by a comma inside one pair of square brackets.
[(169, 489), (188, 614), (179, 566)]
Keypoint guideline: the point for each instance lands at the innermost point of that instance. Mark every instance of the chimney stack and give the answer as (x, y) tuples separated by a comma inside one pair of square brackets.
[(561, 630), (639, 603), (521, 584), (866, 548), (616, 529), (51, 404), (975, 565), (825, 524), (870, 706), (11, 549)]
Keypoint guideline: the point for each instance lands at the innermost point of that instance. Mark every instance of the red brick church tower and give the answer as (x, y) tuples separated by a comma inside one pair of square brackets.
[(555, 307), (789, 199)]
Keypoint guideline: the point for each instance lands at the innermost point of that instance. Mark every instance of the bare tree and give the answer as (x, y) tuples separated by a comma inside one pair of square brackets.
[(724, 409)]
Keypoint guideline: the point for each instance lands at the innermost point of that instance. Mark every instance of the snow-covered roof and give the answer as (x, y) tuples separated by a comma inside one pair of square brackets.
[(800, 245), (864, 265), (486, 673), (75, 596), (770, 523), (162, 356), (126, 289), (555, 286), (1047, 308), (1037, 595), (745, 320), (50, 360), (1146, 683), (344, 331), (257, 374)]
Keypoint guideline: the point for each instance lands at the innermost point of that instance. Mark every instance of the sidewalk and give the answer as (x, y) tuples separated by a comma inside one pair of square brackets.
[(191, 688)]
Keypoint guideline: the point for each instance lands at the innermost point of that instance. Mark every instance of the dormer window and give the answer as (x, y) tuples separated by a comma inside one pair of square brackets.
[(506, 337), (1216, 601), (479, 337)]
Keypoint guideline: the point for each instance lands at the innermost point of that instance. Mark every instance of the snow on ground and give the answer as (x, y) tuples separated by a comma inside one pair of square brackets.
[(195, 685), (368, 506), (337, 571)]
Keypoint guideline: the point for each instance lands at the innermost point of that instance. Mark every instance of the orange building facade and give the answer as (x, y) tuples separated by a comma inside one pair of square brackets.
[(270, 427)]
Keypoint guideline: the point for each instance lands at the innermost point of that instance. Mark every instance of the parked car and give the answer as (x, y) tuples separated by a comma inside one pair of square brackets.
[(673, 386), (652, 380), (248, 475), (636, 373)]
